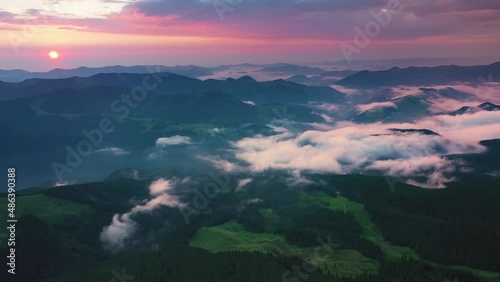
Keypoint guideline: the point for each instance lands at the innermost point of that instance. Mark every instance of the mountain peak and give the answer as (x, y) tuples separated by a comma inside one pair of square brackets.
[(488, 106), (246, 78)]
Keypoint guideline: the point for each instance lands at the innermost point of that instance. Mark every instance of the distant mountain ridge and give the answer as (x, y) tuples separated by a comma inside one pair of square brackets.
[(362, 74), (192, 71), (21, 75), (424, 76)]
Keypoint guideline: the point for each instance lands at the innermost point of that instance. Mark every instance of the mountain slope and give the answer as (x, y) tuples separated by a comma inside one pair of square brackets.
[(487, 106)]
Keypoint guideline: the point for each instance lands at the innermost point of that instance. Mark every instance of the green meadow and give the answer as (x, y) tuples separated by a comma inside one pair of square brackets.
[(232, 236), (51, 210)]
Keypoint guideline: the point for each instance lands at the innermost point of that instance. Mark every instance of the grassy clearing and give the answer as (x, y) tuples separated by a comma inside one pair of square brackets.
[(49, 209), (231, 236), (369, 230), (372, 233)]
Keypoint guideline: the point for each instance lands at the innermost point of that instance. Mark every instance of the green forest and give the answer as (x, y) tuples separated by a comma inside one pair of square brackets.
[(336, 228)]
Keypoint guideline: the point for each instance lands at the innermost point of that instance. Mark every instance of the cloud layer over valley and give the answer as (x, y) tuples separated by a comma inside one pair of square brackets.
[(376, 148)]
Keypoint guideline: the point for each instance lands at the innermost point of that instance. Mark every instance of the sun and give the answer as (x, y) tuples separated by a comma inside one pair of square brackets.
[(53, 55)]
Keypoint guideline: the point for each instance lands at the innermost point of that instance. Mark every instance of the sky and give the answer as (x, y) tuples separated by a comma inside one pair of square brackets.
[(216, 32)]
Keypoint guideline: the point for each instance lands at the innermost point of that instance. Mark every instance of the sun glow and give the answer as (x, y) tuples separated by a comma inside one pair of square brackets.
[(53, 55)]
